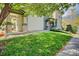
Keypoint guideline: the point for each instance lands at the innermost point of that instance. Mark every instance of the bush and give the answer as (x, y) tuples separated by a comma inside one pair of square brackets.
[(74, 28), (71, 28), (55, 30)]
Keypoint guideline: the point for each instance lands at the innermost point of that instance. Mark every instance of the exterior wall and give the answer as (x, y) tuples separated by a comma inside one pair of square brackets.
[(25, 22), (35, 23), (57, 15), (18, 21)]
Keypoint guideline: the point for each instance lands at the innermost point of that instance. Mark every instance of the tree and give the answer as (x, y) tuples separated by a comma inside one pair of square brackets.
[(5, 12), (40, 9)]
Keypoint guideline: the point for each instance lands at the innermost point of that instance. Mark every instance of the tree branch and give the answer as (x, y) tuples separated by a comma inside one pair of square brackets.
[(5, 12)]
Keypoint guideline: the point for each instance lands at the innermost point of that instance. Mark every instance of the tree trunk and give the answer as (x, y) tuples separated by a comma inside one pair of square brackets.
[(5, 12)]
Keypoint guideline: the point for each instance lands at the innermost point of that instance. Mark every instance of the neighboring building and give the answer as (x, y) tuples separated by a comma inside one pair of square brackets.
[(71, 16)]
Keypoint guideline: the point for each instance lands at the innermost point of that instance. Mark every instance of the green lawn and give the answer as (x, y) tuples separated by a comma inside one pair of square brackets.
[(39, 44)]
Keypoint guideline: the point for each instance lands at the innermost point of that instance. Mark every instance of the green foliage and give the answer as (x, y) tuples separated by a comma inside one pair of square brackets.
[(40, 9), (1, 6), (56, 30), (74, 28), (7, 23), (71, 28), (38, 44)]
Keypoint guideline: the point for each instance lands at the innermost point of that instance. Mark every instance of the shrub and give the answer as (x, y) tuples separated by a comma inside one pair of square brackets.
[(74, 28), (56, 30), (69, 28)]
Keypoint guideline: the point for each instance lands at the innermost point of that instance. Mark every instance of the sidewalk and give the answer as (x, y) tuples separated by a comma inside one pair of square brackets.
[(72, 48), (11, 35)]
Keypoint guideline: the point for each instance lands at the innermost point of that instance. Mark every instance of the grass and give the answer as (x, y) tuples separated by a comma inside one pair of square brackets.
[(39, 44)]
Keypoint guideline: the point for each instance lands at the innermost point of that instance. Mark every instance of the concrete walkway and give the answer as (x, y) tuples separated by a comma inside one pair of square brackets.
[(12, 35), (71, 49)]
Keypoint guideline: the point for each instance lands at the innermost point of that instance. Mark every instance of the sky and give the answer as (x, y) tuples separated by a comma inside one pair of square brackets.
[(72, 12)]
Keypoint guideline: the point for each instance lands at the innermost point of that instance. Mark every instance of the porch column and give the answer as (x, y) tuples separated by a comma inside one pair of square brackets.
[(57, 15), (19, 24)]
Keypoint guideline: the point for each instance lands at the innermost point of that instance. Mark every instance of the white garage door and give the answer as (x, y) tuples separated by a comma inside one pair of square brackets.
[(35, 23)]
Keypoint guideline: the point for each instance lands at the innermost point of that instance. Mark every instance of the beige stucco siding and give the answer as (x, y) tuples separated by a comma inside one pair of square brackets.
[(18, 21)]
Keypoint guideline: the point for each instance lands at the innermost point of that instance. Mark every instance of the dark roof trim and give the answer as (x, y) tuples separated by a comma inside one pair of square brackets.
[(21, 12)]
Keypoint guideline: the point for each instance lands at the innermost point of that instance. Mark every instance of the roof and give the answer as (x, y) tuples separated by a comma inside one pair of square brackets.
[(21, 12)]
